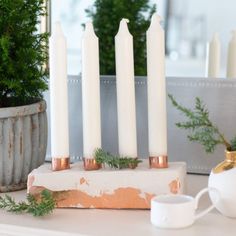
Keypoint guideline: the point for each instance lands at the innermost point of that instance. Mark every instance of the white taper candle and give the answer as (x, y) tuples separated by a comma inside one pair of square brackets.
[(127, 137), (90, 92), (58, 94), (231, 68), (213, 57), (157, 117)]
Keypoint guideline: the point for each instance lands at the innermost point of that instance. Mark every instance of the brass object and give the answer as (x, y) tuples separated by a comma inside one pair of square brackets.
[(227, 164), (91, 164), (158, 162), (60, 163)]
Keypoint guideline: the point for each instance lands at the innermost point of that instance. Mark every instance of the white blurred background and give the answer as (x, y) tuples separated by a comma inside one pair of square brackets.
[(189, 24)]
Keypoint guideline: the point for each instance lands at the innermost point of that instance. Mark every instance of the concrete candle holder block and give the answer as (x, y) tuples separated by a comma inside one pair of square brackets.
[(108, 188)]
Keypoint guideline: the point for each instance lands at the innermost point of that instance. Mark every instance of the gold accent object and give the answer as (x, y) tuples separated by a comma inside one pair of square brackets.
[(91, 164), (227, 164), (60, 163), (158, 162)]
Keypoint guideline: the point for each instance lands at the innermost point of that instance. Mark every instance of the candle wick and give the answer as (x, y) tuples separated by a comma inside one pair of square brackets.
[(89, 29), (123, 27), (57, 29), (215, 37), (155, 23), (157, 17), (125, 20), (234, 34)]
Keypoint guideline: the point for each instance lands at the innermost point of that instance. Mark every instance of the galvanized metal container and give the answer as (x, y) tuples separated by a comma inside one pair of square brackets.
[(23, 143)]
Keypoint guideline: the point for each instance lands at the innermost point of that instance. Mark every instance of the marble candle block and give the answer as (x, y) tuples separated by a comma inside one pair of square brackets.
[(107, 188)]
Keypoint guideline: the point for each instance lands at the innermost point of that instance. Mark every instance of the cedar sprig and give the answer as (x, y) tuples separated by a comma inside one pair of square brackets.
[(115, 161), (41, 207), (201, 128)]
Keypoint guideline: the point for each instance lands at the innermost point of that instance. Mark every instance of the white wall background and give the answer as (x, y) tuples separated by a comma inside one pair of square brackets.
[(220, 17)]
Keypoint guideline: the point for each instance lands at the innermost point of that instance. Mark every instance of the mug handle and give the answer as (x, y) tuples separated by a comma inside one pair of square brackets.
[(211, 207)]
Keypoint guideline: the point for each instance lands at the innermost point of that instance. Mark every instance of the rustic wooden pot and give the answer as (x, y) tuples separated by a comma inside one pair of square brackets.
[(23, 142)]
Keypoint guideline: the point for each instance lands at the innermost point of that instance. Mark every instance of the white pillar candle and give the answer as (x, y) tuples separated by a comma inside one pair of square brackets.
[(213, 57), (231, 65), (58, 94), (127, 137), (157, 118), (90, 92)]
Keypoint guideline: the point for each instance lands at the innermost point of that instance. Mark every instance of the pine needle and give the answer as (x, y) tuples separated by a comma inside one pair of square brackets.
[(233, 144), (44, 206), (200, 127), (114, 161)]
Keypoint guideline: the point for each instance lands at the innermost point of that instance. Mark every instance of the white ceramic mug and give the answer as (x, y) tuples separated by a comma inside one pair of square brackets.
[(178, 211)]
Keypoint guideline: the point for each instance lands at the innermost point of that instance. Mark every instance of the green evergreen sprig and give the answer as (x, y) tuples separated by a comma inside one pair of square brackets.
[(201, 128), (115, 161), (41, 207)]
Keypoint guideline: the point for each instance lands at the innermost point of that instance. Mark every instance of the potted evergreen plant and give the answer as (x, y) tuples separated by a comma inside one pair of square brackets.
[(23, 121)]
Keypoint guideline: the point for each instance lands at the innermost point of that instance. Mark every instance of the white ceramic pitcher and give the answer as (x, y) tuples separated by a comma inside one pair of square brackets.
[(178, 211)]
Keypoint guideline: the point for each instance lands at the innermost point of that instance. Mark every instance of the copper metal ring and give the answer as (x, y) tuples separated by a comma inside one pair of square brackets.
[(158, 161), (60, 163), (91, 164)]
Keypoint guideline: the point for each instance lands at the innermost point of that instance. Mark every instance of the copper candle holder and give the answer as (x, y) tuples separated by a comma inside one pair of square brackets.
[(60, 163), (158, 162), (91, 164)]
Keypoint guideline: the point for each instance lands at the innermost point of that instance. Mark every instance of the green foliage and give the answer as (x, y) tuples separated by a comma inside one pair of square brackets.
[(106, 16), (37, 208), (233, 144), (115, 162), (201, 129), (23, 52)]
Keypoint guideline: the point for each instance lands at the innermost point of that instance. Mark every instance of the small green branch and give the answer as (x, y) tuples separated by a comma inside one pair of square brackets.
[(201, 128), (41, 207), (114, 161)]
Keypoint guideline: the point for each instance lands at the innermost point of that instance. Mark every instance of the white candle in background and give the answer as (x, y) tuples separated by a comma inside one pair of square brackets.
[(231, 65), (213, 57), (90, 92), (58, 94), (157, 116), (127, 137)]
